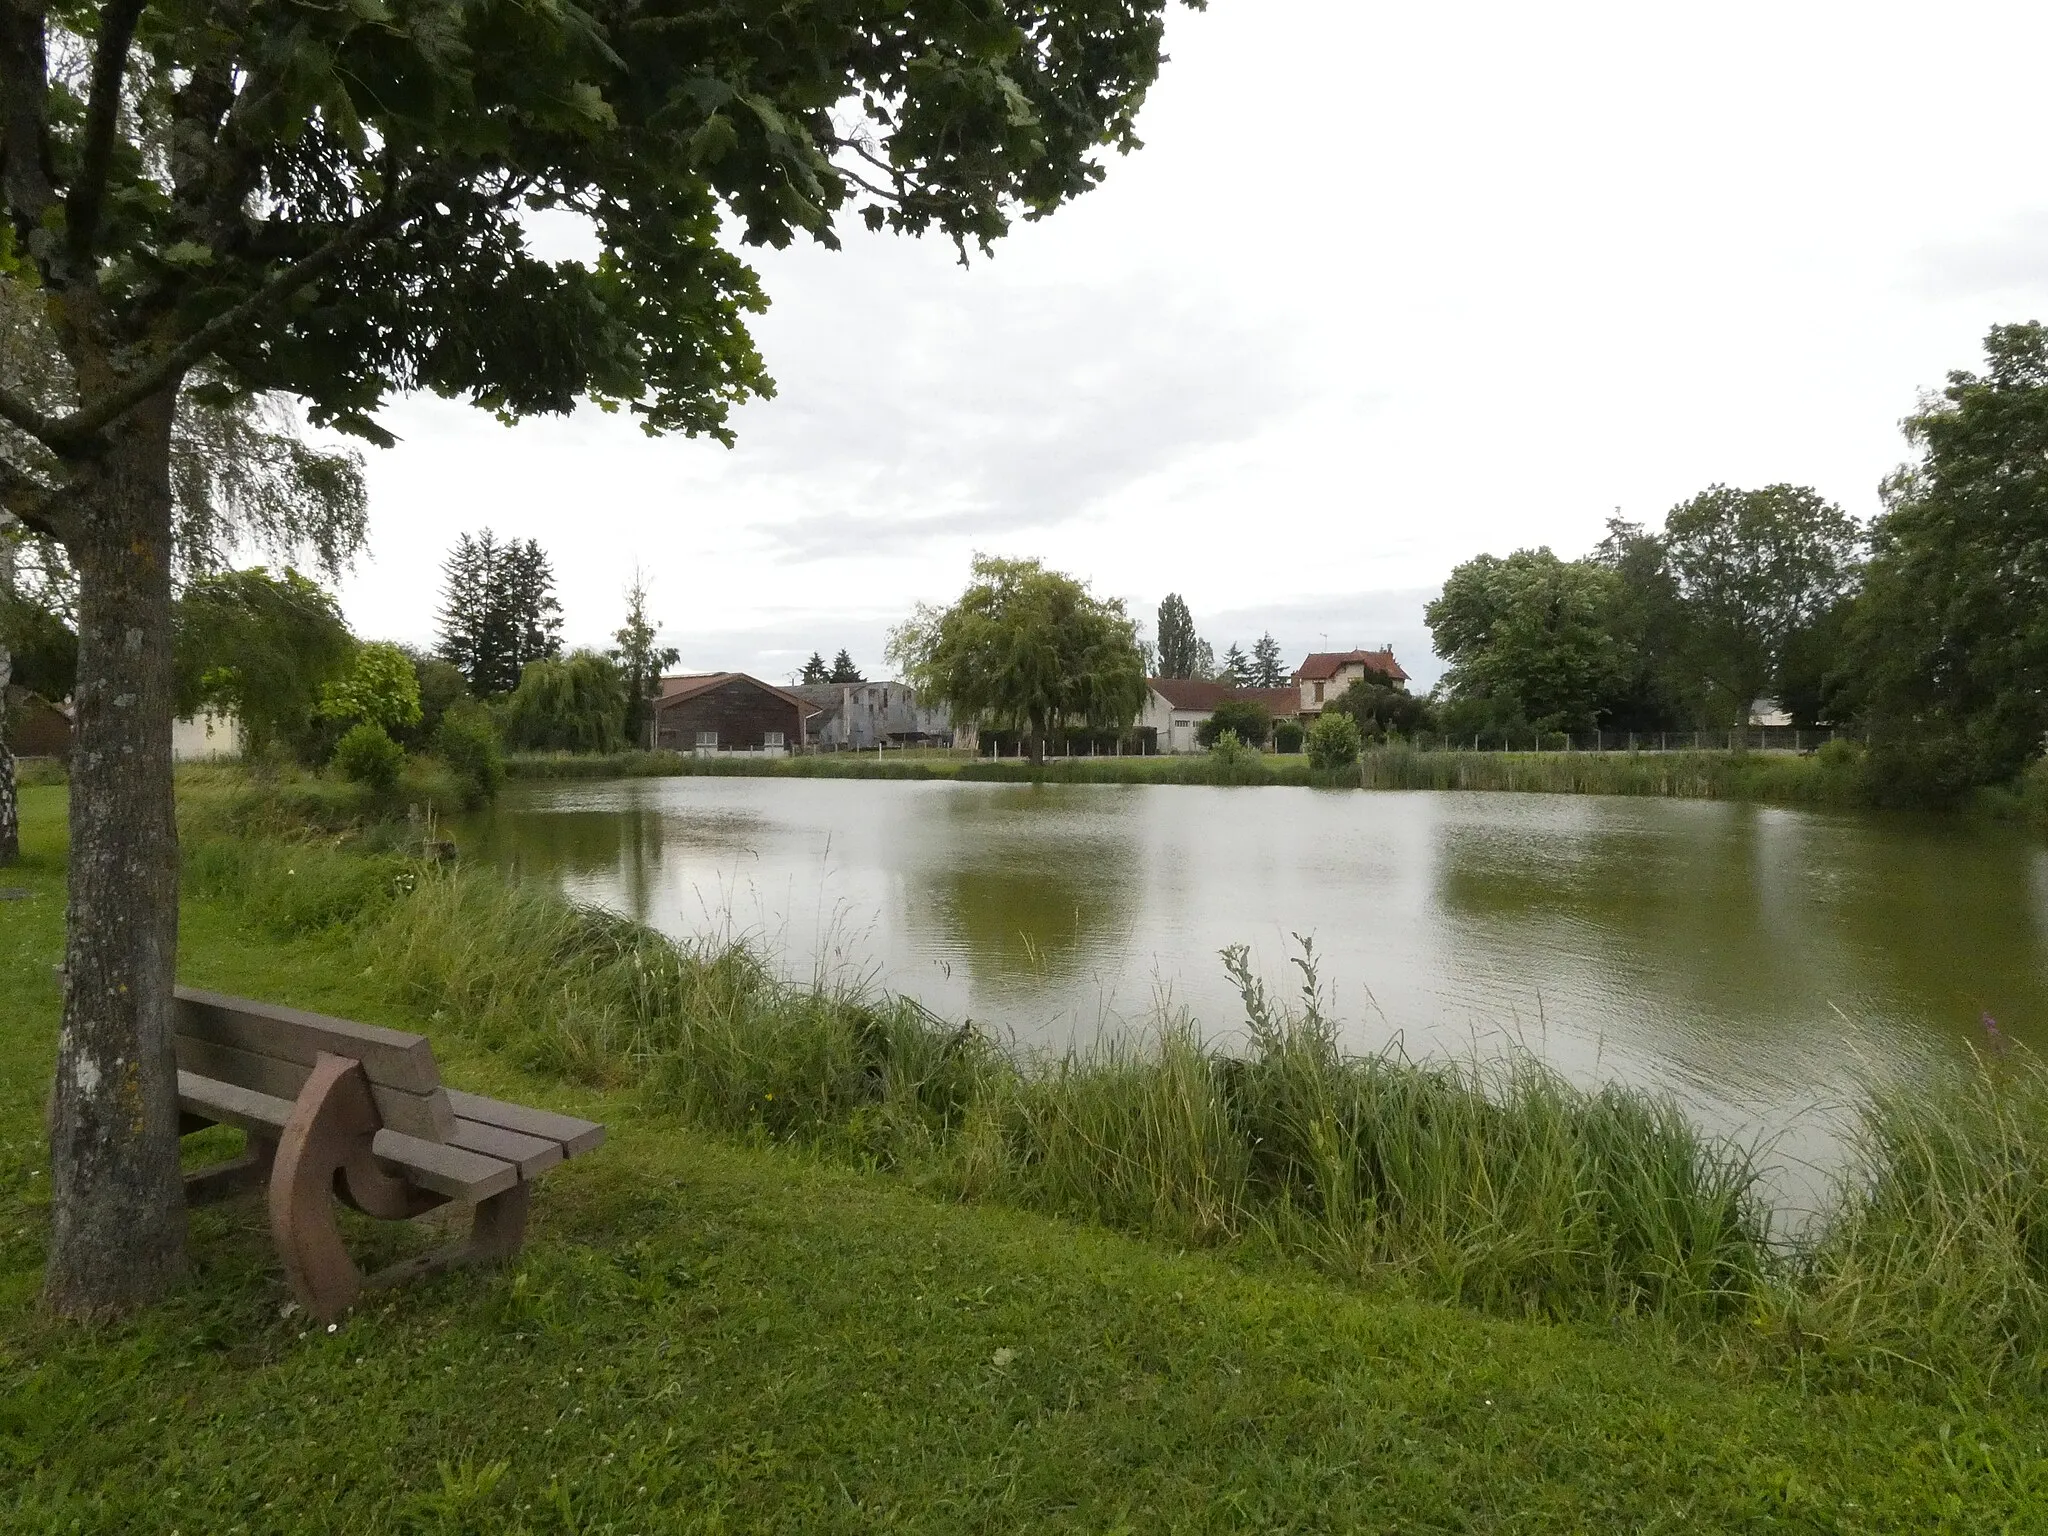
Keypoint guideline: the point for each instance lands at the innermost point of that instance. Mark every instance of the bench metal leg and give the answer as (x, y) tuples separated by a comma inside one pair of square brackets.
[(497, 1230), (223, 1181)]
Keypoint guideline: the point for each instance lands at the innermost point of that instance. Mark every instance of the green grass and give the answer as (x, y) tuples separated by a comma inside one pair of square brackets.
[(770, 1329)]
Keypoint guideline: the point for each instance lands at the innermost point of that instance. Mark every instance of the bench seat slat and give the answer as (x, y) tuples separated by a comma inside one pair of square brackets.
[(416, 1114), (457, 1172), (574, 1136), (452, 1171), (230, 1104), (533, 1154)]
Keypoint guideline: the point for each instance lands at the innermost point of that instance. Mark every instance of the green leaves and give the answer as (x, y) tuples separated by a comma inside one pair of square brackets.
[(1026, 649)]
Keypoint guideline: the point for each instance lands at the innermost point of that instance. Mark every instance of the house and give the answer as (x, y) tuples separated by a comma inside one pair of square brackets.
[(710, 712), (35, 726), (1326, 674), (1175, 707), (205, 738), (869, 715)]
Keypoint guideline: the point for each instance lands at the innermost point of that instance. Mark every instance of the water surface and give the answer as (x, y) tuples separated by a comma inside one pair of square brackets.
[(1753, 961)]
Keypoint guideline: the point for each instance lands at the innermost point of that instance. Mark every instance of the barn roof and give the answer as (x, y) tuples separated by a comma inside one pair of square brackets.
[(674, 690)]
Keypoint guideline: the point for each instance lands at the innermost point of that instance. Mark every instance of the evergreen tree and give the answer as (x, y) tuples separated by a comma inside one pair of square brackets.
[(815, 670), (1179, 648), (498, 611), (532, 616), (1237, 667), (1267, 670), (641, 661), (843, 670)]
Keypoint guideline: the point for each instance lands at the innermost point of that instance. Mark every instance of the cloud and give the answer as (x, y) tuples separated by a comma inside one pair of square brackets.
[(1007, 408), (2011, 260)]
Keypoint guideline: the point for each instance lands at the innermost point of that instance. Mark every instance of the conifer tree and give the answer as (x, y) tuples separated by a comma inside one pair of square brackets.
[(1267, 670), (815, 670), (1236, 667), (843, 669), (1179, 648)]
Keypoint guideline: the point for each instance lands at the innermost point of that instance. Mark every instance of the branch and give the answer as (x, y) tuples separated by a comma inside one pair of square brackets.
[(102, 120), (24, 415), (36, 506), (73, 430), (25, 130)]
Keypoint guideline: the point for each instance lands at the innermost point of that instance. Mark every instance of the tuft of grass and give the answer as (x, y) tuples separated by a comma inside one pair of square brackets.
[(1933, 1259)]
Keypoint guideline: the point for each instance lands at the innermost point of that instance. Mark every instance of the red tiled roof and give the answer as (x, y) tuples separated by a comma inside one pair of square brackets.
[(1197, 693), (1321, 666), (689, 685)]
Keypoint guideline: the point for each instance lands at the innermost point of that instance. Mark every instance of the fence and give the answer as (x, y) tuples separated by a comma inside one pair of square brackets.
[(1755, 738)]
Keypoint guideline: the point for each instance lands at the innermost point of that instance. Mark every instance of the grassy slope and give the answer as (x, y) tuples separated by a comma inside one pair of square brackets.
[(708, 1337)]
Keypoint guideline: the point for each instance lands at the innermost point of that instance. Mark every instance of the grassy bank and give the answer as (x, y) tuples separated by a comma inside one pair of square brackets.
[(1497, 1185), (776, 1327)]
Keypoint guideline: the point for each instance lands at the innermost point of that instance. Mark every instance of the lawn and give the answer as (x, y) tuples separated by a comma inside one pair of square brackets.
[(705, 1335)]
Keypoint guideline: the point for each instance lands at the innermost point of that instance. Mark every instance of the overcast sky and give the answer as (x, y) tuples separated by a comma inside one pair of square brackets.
[(1387, 287)]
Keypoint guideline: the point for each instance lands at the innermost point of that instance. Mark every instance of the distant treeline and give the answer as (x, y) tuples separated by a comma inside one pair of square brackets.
[(1928, 630)]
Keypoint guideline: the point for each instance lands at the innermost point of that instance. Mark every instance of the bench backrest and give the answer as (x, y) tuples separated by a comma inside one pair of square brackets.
[(271, 1049)]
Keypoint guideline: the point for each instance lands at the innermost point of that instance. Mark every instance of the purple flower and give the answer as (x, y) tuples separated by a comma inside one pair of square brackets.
[(1994, 1037)]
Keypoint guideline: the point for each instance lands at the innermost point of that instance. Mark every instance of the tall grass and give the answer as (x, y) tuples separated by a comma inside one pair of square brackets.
[(1821, 778), (1499, 1185)]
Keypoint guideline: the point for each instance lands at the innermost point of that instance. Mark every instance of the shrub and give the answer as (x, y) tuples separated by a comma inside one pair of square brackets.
[(367, 755), (1228, 749), (1333, 741), (468, 744), (1242, 718), (381, 689), (1287, 736)]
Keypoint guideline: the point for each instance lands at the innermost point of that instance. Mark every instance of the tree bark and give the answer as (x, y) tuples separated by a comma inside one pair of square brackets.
[(117, 1236), (10, 819)]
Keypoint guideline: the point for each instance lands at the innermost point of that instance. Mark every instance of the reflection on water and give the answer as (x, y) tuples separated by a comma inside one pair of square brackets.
[(1753, 961)]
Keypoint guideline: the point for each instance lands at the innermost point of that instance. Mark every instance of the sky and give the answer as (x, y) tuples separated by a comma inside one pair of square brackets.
[(1387, 287)]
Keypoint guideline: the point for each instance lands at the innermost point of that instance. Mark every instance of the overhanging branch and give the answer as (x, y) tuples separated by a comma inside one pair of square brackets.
[(73, 430)]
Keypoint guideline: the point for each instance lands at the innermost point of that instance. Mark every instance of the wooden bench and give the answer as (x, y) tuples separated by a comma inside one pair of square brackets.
[(336, 1110)]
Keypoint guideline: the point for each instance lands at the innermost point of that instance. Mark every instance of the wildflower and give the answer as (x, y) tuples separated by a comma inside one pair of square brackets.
[(1994, 1037)]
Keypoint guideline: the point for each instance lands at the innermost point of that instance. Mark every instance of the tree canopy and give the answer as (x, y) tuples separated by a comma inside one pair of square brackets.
[(330, 202), (1026, 649), (261, 648), (1529, 637), (1949, 644)]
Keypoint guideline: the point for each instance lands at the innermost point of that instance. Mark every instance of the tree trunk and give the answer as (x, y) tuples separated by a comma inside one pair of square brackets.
[(10, 819), (117, 1232)]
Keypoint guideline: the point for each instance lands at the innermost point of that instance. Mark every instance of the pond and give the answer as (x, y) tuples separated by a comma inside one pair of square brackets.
[(1755, 962)]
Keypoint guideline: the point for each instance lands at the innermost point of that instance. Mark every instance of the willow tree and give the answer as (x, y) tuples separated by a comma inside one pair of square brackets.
[(1026, 649), (329, 201)]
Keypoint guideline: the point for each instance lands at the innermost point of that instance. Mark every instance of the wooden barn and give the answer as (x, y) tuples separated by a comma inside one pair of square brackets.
[(35, 726), (726, 712)]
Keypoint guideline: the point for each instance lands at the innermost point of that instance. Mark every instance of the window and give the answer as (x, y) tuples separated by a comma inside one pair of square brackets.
[(707, 738), (771, 738), (1319, 693)]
